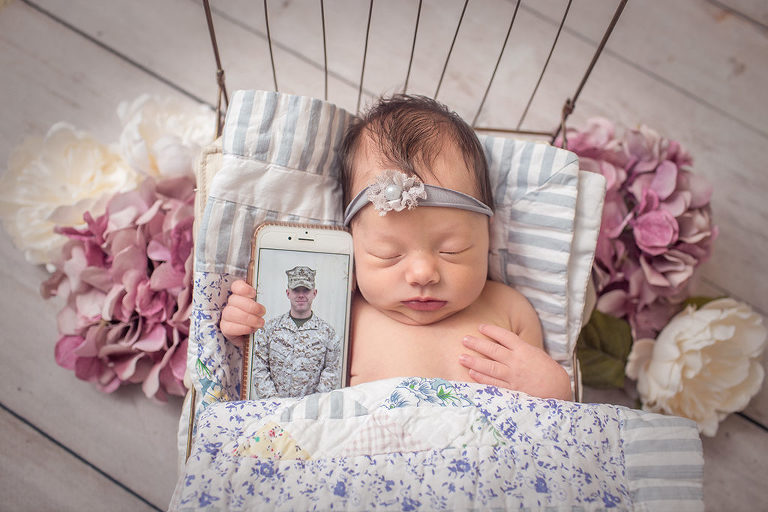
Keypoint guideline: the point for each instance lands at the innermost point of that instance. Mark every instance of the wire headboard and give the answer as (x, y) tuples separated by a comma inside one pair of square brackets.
[(456, 28)]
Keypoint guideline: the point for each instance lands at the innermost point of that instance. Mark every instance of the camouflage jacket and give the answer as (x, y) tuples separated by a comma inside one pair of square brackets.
[(295, 361)]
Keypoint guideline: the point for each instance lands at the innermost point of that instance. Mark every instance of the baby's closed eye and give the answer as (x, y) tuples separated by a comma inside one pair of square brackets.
[(458, 251), (386, 256), (454, 250), (384, 252)]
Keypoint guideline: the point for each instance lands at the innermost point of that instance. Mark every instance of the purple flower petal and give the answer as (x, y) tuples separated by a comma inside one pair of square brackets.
[(166, 277), (126, 283), (157, 251), (701, 190), (655, 231), (65, 351), (126, 367), (153, 341), (677, 203), (664, 179)]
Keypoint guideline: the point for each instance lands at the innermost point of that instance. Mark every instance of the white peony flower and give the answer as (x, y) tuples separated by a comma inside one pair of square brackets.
[(53, 181), (704, 365), (162, 136)]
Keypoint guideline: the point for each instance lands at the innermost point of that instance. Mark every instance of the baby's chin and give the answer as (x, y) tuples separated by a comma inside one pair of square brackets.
[(419, 315)]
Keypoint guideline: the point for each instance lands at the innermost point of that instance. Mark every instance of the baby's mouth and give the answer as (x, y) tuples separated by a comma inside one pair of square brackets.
[(424, 304)]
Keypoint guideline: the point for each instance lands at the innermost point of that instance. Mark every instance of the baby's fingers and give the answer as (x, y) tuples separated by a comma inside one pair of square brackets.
[(483, 371), (490, 349), (234, 331), (243, 289), (235, 318), (504, 336), (246, 305)]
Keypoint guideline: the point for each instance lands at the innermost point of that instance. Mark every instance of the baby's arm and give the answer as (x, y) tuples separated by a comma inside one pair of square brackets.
[(512, 363), (242, 315), (517, 361)]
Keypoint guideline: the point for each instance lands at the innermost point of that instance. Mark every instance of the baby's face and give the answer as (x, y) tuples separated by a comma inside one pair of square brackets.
[(422, 265)]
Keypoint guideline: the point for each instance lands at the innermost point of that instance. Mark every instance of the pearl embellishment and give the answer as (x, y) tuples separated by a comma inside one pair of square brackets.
[(393, 192)]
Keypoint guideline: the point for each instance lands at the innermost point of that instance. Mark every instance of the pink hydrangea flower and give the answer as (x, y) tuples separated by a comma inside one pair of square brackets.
[(126, 282), (657, 225)]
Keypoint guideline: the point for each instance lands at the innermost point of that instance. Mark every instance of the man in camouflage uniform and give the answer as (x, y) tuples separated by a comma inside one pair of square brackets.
[(296, 353)]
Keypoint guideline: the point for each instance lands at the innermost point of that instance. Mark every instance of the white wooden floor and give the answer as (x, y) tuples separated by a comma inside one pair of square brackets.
[(695, 70)]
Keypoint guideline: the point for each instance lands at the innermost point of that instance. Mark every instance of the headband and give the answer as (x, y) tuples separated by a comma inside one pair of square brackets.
[(395, 190)]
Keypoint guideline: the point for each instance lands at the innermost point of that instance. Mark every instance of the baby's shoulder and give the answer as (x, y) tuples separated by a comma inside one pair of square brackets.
[(510, 301), (521, 315), (501, 292)]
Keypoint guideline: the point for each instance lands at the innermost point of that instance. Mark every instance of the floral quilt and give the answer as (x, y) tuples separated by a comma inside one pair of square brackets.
[(430, 444)]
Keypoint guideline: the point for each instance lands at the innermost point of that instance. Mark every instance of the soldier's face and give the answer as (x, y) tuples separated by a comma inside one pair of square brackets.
[(301, 300)]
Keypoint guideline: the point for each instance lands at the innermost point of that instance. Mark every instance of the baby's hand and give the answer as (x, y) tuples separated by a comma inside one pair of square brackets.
[(512, 363), (242, 315)]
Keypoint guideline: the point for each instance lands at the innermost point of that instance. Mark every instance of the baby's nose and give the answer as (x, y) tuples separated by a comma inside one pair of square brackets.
[(422, 269)]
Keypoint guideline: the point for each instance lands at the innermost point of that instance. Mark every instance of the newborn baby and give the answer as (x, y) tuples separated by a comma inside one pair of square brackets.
[(419, 218)]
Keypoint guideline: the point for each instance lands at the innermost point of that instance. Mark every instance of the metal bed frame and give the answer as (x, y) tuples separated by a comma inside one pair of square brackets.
[(567, 109), (569, 103)]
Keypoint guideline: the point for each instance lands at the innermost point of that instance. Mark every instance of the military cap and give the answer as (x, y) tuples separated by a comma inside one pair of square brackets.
[(301, 276)]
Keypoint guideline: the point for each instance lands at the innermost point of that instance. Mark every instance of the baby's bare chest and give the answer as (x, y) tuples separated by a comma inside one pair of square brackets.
[(383, 347)]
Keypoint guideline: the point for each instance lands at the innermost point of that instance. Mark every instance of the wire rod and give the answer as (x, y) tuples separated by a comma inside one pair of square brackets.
[(365, 54), (325, 48), (222, 87), (496, 67), (543, 133), (269, 42), (572, 102), (450, 50), (413, 48), (546, 63)]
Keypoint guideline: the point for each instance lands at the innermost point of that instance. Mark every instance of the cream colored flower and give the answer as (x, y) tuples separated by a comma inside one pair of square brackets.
[(53, 181), (162, 136), (704, 365)]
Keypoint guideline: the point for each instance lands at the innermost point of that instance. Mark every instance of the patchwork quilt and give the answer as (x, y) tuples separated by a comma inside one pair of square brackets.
[(430, 444)]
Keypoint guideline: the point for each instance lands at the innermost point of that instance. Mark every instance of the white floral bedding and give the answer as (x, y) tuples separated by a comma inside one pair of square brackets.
[(429, 444)]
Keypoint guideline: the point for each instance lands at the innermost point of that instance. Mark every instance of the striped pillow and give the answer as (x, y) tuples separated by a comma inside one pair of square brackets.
[(279, 164), (535, 188)]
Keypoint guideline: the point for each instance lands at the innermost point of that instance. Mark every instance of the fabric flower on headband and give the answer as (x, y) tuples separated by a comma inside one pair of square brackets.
[(395, 190)]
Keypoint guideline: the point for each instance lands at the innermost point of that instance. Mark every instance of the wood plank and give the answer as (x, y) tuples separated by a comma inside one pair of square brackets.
[(717, 56), (51, 83), (735, 467), (755, 10), (51, 78), (37, 474), (187, 59)]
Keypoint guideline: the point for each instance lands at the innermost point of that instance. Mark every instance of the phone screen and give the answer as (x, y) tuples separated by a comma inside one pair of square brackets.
[(302, 348)]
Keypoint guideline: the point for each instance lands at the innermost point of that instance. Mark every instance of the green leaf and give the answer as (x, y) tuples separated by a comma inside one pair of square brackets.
[(602, 348), (699, 301)]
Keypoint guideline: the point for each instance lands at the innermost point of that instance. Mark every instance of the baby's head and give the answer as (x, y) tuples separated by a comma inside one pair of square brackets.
[(409, 133), (418, 264)]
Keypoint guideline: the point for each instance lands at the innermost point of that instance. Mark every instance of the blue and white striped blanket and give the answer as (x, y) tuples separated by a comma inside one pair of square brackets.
[(429, 444)]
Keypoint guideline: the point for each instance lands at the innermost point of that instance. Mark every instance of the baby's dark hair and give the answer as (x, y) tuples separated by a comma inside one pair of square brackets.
[(409, 131)]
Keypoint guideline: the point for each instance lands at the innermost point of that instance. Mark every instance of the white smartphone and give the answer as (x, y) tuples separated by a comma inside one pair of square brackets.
[(303, 277)]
